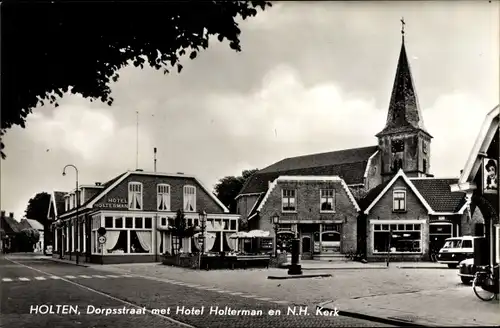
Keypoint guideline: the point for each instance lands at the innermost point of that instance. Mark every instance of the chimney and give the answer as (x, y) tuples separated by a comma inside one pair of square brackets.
[(11, 215), (97, 183)]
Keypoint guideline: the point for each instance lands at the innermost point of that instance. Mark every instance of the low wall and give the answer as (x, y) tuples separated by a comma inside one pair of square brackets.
[(183, 261), (279, 261)]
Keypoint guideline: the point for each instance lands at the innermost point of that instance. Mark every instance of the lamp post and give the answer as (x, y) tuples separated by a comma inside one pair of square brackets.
[(276, 222), (203, 221), (77, 204)]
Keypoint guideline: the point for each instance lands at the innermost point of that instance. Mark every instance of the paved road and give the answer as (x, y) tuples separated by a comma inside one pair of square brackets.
[(48, 283)]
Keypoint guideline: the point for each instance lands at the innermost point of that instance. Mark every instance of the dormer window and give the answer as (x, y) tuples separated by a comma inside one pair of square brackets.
[(189, 199), (163, 197), (135, 196)]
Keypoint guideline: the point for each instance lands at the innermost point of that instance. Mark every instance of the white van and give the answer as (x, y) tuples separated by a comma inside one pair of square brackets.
[(456, 249)]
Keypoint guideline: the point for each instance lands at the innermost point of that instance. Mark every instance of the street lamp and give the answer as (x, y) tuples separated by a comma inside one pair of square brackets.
[(276, 222), (77, 204), (203, 224)]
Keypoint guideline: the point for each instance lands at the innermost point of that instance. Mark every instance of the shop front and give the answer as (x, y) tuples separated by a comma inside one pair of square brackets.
[(479, 180)]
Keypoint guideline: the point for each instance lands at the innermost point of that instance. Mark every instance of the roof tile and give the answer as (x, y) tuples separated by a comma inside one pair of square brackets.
[(438, 194)]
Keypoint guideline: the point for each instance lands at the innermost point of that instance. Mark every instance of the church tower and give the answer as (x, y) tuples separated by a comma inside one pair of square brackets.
[(404, 142)]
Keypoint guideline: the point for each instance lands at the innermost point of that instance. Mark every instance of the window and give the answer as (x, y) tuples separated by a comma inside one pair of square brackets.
[(163, 197), (424, 164), (129, 223), (163, 221), (189, 199), (148, 223), (327, 200), (288, 200), (135, 196), (233, 225), (108, 222), (467, 244), (399, 200), (138, 223), (118, 222), (397, 237)]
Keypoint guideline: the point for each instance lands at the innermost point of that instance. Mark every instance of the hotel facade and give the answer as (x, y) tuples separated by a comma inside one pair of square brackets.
[(137, 209)]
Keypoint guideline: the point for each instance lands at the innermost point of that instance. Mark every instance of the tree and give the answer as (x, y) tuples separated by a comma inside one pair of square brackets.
[(37, 209), (27, 238), (51, 48), (228, 188), (180, 230)]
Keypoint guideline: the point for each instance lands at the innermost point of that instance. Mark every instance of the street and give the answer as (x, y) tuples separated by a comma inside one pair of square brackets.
[(30, 284)]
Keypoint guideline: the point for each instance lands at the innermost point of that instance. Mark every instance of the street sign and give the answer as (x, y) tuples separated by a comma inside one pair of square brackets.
[(102, 239), (101, 231)]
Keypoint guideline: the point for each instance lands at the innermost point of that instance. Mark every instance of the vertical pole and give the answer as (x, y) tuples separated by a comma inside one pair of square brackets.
[(137, 141), (155, 159)]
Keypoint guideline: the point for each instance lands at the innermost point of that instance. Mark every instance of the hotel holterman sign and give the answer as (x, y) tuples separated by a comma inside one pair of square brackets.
[(113, 203)]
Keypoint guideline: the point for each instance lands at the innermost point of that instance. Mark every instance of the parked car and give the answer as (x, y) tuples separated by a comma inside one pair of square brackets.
[(467, 270), (456, 249)]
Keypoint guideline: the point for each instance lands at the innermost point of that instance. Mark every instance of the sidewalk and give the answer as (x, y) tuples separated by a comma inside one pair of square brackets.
[(449, 307)]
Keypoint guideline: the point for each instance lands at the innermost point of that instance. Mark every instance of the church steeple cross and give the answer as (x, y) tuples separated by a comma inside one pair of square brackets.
[(403, 28)]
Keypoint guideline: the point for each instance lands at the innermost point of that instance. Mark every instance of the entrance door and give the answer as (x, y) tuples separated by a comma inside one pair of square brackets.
[(306, 246), (438, 233)]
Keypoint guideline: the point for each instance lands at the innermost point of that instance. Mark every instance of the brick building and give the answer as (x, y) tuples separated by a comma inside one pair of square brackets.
[(401, 159), (137, 209)]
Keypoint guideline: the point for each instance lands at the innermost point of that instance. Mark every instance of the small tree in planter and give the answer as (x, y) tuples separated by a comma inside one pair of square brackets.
[(180, 230)]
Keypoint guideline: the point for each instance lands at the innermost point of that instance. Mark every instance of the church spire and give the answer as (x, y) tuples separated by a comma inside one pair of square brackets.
[(404, 111)]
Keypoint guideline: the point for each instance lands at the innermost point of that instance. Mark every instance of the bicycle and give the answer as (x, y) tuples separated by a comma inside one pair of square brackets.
[(485, 283), (433, 255)]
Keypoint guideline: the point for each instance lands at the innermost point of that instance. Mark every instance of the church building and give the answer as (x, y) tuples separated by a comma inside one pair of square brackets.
[(351, 200)]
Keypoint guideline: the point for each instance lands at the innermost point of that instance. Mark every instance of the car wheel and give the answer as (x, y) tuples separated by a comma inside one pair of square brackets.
[(466, 280), (452, 266)]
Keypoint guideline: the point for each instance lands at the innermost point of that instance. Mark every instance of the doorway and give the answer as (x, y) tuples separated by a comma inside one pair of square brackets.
[(438, 233), (306, 246)]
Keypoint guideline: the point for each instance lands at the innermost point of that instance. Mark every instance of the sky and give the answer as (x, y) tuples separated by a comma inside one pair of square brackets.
[(312, 77)]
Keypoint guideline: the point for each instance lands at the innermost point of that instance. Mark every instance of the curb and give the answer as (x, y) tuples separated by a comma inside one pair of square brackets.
[(341, 268), (388, 321), (422, 267), (299, 276), (67, 262)]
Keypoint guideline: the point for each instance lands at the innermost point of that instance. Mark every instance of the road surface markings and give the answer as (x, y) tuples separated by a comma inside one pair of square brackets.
[(84, 276), (40, 278), (112, 276), (127, 275), (6, 279), (235, 293), (70, 277), (108, 296), (55, 277), (24, 279), (281, 302), (98, 276), (249, 296)]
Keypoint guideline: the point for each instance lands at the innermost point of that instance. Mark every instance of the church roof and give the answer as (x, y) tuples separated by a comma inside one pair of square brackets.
[(349, 164), (404, 113)]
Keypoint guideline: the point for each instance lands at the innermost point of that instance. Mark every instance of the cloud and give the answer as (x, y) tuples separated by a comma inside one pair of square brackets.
[(94, 135)]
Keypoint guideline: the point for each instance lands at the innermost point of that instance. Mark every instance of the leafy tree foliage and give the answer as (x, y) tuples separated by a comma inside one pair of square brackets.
[(50, 48), (228, 188), (181, 230), (27, 238), (38, 207)]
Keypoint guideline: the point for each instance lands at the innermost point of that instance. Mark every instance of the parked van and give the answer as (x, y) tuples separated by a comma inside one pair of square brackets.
[(456, 249)]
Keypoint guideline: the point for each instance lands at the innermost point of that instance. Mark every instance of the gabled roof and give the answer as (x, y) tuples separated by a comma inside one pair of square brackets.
[(403, 176), (56, 203), (14, 225), (438, 194), (481, 145), (35, 224), (349, 164), (111, 184), (24, 224), (433, 193), (404, 110), (264, 196)]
